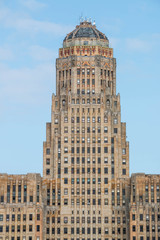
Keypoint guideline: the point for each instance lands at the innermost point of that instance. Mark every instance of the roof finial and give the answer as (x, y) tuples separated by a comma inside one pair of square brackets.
[(94, 23), (81, 19)]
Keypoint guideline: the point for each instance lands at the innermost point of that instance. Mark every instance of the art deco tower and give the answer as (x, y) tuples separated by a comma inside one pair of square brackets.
[(86, 156), (85, 192)]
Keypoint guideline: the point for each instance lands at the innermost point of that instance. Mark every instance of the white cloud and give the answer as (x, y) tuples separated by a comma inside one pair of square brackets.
[(114, 27), (15, 20), (41, 53), (35, 26), (25, 86), (114, 42), (5, 54), (137, 44), (32, 4)]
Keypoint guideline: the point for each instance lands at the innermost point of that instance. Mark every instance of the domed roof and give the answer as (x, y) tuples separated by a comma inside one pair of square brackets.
[(85, 30)]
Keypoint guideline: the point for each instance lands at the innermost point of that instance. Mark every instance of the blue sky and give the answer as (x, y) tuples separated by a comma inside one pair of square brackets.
[(31, 31)]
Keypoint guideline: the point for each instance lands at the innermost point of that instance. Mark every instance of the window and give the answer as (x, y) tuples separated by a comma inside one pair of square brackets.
[(105, 149), (13, 217), (65, 170), (133, 217), (105, 119), (115, 103), (141, 228), (1, 199), (133, 228), (48, 161), (98, 100), (65, 230), (123, 151), (99, 150), (124, 161), (65, 180), (30, 217), (47, 171), (30, 228), (65, 119), (105, 129), (141, 217), (1, 217), (65, 160), (7, 217), (66, 130), (13, 228), (106, 191), (66, 150), (115, 130), (78, 71), (115, 120), (77, 119), (38, 217), (7, 228), (24, 217), (106, 220), (105, 140), (72, 120), (56, 121), (105, 180), (48, 151), (65, 201), (66, 139), (106, 231), (18, 217), (38, 228), (123, 171)]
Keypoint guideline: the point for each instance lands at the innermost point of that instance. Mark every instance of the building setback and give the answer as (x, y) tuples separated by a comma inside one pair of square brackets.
[(86, 192)]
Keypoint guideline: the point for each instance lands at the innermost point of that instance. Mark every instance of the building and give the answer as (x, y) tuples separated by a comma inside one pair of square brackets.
[(86, 192)]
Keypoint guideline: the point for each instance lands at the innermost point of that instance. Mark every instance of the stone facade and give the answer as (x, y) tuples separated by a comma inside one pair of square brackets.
[(144, 207), (85, 192)]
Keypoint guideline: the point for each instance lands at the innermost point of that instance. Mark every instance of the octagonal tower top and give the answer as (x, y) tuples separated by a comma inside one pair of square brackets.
[(86, 33)]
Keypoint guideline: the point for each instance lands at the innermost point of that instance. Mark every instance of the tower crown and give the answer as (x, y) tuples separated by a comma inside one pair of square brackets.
[(86, 34)]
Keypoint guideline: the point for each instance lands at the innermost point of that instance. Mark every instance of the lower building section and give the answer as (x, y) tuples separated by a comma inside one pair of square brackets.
[(32, 208), (144, 207)]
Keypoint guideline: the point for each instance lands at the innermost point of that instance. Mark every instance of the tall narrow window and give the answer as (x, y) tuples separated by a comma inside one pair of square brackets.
[(19, 193), (14, 194), (37, 193), (8, 193), (25, 193)]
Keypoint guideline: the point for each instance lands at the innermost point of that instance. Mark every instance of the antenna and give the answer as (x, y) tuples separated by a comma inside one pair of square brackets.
[(81, 18)]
